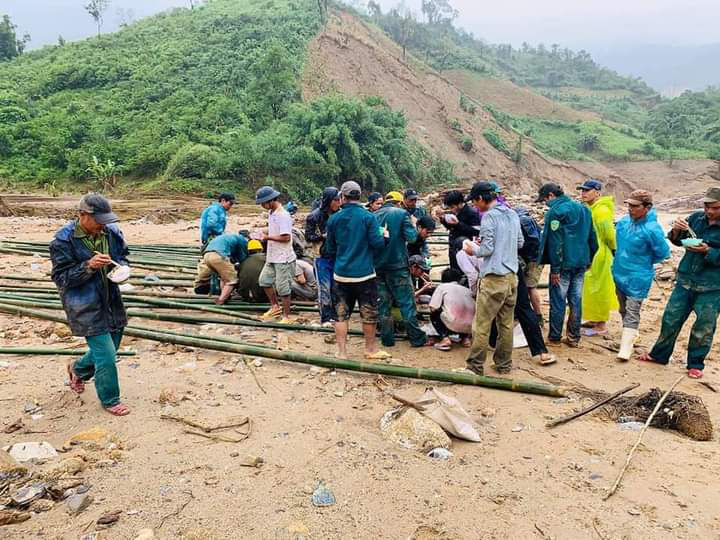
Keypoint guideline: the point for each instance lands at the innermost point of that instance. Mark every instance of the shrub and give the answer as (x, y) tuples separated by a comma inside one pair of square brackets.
[(495, 141), (467, 105), (466, 143), (192, 161)]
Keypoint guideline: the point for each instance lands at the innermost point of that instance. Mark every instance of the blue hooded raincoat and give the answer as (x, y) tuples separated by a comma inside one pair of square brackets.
[(640, 246)]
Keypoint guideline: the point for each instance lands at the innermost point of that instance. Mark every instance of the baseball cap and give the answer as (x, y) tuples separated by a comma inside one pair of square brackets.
[(374, 196), (479, 188), (589, 184), (712, 195), (227, 196), (99, 207), (254, 245), (639, 196), (350, 188), (394, 196), (410, 194), (420, 261), (496, 187), (546, 190)]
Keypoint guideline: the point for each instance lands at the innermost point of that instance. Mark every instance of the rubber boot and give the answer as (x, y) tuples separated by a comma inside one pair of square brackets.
[(629, 335)]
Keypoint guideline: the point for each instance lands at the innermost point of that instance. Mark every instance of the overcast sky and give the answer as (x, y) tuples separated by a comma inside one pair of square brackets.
[(592, 24)]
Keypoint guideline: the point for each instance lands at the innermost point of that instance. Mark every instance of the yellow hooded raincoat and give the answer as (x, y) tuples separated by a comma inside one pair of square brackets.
[(598, 297)]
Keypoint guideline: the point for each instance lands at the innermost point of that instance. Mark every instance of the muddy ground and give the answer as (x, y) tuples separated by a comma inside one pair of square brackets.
[(309, 426)]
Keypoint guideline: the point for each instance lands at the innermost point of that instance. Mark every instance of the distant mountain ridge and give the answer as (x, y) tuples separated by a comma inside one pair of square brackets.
[(669, 69)]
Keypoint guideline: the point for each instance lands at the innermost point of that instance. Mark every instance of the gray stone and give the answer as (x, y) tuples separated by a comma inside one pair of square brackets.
[(78, 502), (28, 494)]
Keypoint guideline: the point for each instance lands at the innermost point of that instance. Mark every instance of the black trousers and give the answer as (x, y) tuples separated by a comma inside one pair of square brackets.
[(529, 320), (439, 325)]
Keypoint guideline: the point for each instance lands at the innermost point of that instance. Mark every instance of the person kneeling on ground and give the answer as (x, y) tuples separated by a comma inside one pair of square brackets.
[(304, 286), (419, 272), (452, 310), (279, 271), (248, 275), (81, 253), (221, 255), (697, 288)]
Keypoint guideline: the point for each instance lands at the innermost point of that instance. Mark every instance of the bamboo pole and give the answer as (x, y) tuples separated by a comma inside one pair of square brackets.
[(49, 351), (326, 361)]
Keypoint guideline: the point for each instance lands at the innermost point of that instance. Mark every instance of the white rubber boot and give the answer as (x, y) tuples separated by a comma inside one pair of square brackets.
[(629, 335)]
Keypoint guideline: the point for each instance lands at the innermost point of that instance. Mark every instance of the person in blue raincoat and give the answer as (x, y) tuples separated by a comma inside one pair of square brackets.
[(214, 218), (641, 244)]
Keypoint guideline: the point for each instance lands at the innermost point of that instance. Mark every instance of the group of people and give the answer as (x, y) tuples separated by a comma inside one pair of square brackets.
[(375, 256)]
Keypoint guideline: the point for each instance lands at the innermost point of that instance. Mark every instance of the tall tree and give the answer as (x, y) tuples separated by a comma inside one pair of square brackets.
[(10, 45), (96, 9)]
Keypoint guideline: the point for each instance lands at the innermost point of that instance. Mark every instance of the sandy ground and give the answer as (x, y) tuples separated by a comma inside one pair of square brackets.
[(522, 480)]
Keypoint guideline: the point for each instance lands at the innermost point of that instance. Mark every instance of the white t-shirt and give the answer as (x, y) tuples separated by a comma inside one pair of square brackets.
[(279, 223), (457, 304)]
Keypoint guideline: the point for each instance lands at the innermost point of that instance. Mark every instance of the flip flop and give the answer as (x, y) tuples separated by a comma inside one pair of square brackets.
[(695, 373), (442, 347), (77, 385), (379, 355), (118, 410), (547, 360), (271, 313), (592, 332)]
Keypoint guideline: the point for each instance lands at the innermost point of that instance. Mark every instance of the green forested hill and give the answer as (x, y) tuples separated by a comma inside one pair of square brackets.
[(199, 95)]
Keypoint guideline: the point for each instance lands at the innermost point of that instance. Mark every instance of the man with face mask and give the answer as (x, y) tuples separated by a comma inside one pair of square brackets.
[(697, 288)]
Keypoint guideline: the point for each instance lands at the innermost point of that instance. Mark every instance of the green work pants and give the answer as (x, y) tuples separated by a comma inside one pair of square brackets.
[(706, 306), (496, 298), (396, 286), (99, 362)]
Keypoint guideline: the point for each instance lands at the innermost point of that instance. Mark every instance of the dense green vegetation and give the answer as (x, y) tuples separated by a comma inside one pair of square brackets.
[(690, 121), (203, 95)]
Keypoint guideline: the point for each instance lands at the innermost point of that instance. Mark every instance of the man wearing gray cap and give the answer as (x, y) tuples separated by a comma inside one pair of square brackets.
[(81, 254), (697, 288), (353, 241)]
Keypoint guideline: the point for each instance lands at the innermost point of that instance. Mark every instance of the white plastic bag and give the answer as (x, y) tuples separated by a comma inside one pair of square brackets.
[(448, 413)]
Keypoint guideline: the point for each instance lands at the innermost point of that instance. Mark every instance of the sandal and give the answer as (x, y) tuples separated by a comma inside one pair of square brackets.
[(378, 355), (77, 385), (695, 373), (271, 313), (118, 410), (593, 332), (443, 346), (546, 359)]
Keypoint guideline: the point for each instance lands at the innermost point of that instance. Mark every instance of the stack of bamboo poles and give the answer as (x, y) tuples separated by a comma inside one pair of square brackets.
[(23, 299)]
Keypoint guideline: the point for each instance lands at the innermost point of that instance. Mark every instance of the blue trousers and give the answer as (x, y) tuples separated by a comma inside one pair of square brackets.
[(324, 277), (99, 362), (567, 294)]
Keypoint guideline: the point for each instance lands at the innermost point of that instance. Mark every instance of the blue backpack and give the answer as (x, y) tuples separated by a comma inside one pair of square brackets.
[(531, 234)]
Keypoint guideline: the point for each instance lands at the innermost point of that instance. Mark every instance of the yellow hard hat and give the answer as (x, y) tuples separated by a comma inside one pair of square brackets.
[(394, 196), (254, 245)]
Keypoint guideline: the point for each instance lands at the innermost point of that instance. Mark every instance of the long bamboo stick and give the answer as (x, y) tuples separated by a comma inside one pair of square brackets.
[(326, 361), (52, 351)]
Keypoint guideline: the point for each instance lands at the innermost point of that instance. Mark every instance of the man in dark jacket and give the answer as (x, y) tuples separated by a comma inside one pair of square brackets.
[(697, 288), (393, 276), (463, 222), (410, 199), (353, 240), (568, 245), (81, 254), (315, 234), (425, 227)]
